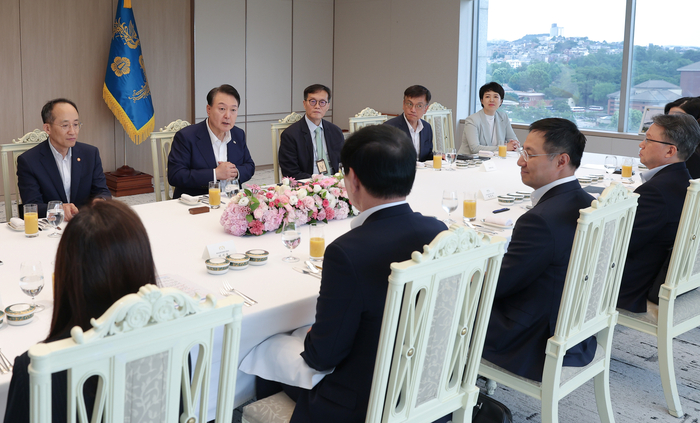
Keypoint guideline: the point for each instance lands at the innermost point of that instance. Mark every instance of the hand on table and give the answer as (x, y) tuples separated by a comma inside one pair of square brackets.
[(226, 171), (69, 210), (513, 145)]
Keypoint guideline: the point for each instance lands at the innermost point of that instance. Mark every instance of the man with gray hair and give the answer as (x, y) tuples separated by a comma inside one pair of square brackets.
[(669, 142)]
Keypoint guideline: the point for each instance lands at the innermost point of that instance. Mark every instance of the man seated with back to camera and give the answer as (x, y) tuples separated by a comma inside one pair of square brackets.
[(533, 271), (380, 167)]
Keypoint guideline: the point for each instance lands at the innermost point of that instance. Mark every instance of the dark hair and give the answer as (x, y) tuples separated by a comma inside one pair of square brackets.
[(491, 86), (691, 107), (103, 255), (47, 110), (415, 91), (226, 89), (682, 130), (312, 89), (675, 103), (383, 158), (561, 136)]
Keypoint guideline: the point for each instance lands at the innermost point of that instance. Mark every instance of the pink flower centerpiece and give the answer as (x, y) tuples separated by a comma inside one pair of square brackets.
[(256, 210)]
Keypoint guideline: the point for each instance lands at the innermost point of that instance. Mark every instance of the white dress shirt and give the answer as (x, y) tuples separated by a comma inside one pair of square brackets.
[(415, 134), (539, 192), (645, 176), (219, 147), (360, 219), (64, 168)]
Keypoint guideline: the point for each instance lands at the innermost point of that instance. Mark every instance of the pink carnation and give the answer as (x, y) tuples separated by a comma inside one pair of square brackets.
[(308, 202), (321, 214), (330, 213), (325, 203), (256, 227), (342, 210), (328, 182), (269, 194)]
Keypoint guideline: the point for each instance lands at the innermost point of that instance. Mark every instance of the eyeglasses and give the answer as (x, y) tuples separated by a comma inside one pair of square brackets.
[(66, 126), (526, 156), (313, 102), (419, 106), (647, 139)]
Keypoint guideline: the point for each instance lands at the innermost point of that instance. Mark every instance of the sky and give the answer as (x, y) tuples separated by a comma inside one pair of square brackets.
[(671, 22)]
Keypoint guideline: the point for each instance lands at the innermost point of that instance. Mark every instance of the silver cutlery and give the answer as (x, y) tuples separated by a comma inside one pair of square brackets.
[(230, 288), (5, 363), (226, 293), (489, 229), (312, 267), (307, 272)]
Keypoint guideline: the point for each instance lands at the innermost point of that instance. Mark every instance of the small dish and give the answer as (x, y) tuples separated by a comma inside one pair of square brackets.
[(584, 180), (15, 228), (517, 197), (2, 317), (217, 266), (526, 195), (506, 200), (238, 261), (19, 314), (257, 257)]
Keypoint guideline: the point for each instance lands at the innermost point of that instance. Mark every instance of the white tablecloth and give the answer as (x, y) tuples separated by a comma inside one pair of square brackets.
[(286, 299)]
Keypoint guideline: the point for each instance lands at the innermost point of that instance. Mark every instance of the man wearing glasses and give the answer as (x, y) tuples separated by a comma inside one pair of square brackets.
[(415, 103), (670, 140), (311, 145), (61, 168), (533, 271)]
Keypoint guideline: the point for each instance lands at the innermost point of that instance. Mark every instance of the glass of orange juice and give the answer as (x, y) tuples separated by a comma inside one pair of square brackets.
[(502, 149), (31, 221), (437, 160), (469, 207), (627, 171), (317, 241), (214, 194)]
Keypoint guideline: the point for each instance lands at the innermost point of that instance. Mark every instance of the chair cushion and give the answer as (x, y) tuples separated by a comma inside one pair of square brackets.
[(277, 408), (567, 372), (686, 307)]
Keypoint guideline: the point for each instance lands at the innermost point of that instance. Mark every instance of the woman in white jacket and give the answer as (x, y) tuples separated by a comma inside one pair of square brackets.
[(488, 127)]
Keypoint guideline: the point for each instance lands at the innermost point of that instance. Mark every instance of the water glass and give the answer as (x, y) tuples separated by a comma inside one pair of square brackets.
[(54, 214), (449, 204), (451, 157), (291, 236), (231, 187), (31, 280)]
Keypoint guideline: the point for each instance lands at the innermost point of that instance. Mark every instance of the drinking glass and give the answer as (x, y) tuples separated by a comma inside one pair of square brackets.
[(502, 150), (54, 214), (214, 194), (437, 160), (450, 156), (469, 207), (627, 170), (231, 187), (317, 241), (291, 236), (449, 204), (31, 221), (610, 166), (31, 280)]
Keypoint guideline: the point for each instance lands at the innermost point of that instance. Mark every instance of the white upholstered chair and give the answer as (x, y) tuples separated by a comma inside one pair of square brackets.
[(675, 315), (15, 149), (139, 351), (587, 307), (277, 129), (366, 117), (440, 119), (162, 141), (433, 330)]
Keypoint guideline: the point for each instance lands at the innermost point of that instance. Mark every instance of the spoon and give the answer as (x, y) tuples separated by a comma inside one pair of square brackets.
[(311, 267)]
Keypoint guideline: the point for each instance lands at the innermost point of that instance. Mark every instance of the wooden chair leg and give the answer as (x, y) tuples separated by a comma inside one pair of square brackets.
[(601, 386), (668, 375), (550, 405)]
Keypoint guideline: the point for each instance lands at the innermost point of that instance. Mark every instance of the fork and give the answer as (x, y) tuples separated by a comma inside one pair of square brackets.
[(229, 287), (226, 293), (5, 363)]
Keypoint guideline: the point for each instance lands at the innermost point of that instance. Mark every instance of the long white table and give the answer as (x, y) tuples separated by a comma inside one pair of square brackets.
[(286, 299)]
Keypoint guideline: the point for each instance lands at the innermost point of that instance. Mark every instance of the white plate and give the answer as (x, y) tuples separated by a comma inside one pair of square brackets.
[(14, 228), (188, 203), (495, 225)]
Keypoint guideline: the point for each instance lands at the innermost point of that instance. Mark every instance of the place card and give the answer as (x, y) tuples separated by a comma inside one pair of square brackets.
[(488, 166), (488, 193), (221, 249)]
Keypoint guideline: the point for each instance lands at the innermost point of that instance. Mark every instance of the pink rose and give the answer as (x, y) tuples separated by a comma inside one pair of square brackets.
[(325, 203)]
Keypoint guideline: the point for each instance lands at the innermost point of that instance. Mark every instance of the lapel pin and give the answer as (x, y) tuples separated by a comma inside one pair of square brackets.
[(78, 158)]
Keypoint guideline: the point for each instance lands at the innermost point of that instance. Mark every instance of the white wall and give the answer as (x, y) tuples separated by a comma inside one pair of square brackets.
[(270, 50)]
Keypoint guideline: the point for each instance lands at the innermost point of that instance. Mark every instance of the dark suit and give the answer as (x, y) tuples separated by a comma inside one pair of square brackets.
[(296, 151), (350, 308), (658, 213), (693, 164), (531, 283), (191, 161), (426, 136), (40, 182)]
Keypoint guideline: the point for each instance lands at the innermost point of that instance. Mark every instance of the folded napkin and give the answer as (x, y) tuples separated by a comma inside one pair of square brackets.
[(499, 221), (484, 153), (420, 165), (278, 358), (17, 222), (188, 199)]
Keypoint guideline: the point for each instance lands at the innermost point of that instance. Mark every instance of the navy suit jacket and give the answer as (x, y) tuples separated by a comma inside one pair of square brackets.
[(39, 181), (426, 136), (655, 225), (531, 283), (350, 309), (296, 151), (192, 159)]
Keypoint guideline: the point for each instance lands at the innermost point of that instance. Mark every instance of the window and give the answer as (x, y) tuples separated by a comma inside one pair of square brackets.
[(565, 59)]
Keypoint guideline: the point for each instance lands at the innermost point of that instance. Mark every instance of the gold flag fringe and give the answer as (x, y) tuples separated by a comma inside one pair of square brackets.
[(137, 135)]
